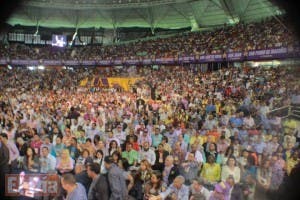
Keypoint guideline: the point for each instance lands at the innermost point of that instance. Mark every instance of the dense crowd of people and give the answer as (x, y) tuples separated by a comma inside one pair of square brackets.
[(177, 134), (240, 37)]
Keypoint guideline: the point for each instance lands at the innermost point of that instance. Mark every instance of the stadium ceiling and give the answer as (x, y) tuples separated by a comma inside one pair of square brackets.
[(170, 14)]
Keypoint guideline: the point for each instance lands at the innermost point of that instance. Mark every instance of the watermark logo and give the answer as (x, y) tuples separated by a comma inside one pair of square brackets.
[(31, 185)]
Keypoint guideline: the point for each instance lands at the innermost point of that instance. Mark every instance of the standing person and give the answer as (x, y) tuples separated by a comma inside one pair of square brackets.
[(263, 176), (75, 191), (13, 150), (116, 180), (99, 189), (4, 167)]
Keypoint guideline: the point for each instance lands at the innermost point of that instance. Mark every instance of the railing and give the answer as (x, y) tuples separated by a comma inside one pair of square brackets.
[(292, 110), (295, 111), (263, 54)]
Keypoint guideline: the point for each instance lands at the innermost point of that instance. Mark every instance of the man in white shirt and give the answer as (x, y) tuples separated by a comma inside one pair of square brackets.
[(47, 161), (198, 154), (120, 134), (197, 189), (147, 153)]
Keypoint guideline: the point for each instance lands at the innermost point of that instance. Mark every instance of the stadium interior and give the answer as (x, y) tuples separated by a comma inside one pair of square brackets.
[(149, 100)]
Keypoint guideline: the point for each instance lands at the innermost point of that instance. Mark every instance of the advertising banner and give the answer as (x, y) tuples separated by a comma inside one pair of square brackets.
[(88, 62), (104, 62), (51, 62), (234, 56), (268, 53), (211, 58), (132, 62), (147, 61), (3, 61)]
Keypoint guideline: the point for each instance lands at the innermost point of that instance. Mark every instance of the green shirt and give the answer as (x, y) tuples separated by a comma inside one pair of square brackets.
[(131, 156)]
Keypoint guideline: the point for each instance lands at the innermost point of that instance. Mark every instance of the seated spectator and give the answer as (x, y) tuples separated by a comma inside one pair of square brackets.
[(170, 170), (177, 190), (65, 163), (31, 161), (198, 191), (166, 145), (292, 161), (113, 146), (130, 154), (47, 161), (57, 147), (178, 154), (99, 158), (160, 155), (85, 155), (155, 186), (156, 137), (147, 153), (211, 172), (231, 169), (189, 168)]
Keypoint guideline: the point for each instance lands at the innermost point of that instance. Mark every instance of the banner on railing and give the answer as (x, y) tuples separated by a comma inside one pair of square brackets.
[(117, 62), (3, 61), (268, 53), (234, 56), (132, 62), (51, 62), (211, 58), (147, 61), (187, 59), (167, 61), (104, 62), (88, 62), (71, 62), (273, 53)]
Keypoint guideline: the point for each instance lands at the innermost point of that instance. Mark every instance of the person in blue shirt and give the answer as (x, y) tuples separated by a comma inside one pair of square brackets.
[(75, 191), (156, 137)]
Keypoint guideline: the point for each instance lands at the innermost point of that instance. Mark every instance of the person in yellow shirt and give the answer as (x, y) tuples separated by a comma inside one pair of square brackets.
[(196, 136), (289, 126), (292, 161), (211, 171), (218, 107)]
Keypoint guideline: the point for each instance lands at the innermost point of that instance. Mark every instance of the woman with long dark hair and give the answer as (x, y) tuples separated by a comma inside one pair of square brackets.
[(99, 158), (113, 146), (31, 161), (155, 186)]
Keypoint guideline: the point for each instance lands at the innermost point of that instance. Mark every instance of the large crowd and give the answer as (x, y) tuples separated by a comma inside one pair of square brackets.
[(177, 134), (240, 37)]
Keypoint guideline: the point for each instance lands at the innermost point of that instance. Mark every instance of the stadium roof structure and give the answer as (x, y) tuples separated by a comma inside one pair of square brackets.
[(169, 14)]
